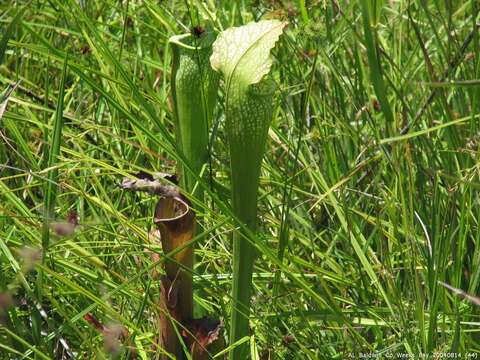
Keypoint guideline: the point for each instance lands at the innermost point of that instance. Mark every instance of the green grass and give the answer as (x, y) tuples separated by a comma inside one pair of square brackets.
[(368, 190)]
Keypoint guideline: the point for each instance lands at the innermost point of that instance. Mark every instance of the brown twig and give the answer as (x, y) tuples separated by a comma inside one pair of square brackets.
[(153, 184)]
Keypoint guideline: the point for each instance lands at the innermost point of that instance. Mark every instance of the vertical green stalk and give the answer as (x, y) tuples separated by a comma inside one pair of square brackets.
[(374, 62), (50, 195), (53, 151), (242, 55), (194, 92)]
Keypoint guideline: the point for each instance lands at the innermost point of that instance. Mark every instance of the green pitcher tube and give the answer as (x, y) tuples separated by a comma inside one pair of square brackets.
[(194, 91), (247, 131)]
